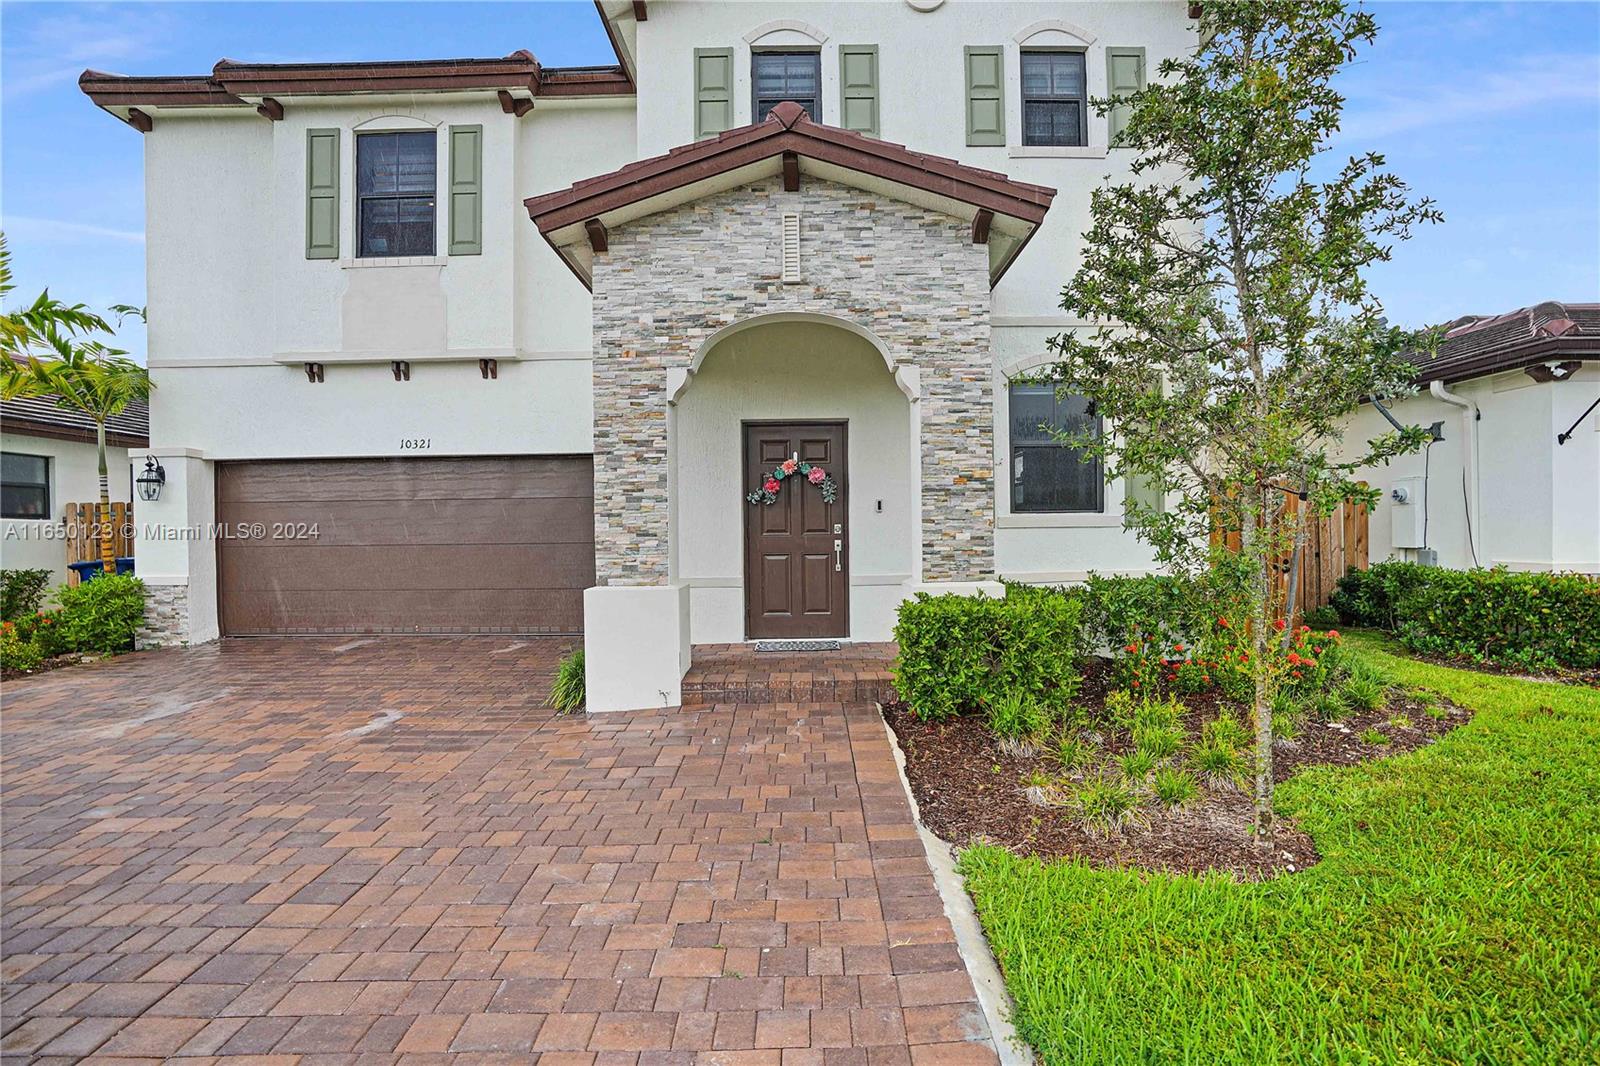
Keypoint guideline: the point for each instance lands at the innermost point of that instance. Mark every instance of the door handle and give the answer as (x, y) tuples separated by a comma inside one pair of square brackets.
[(838, 555)]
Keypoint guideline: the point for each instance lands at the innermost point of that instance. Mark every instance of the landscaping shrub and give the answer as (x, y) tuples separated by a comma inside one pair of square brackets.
[(1017, 720), (1368, 597), (568, 691), (1493, 616), (961, 653), (43, 630), (102, 615), (16, 653), (1497, 616), (22, 592), (1321, 617)]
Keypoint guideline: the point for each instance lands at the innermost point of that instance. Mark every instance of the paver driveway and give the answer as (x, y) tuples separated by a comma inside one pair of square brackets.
[(338, 850)]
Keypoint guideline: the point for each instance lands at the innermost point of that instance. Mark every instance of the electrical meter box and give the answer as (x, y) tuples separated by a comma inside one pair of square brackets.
[(1406, 511)]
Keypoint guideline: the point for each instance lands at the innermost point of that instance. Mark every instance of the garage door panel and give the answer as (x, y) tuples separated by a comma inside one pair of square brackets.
[(418, 610), (495, 545), (342, 480), (418, 566), (375, 522)]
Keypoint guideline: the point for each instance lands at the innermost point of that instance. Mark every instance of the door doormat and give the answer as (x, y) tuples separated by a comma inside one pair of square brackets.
[(797, 645)]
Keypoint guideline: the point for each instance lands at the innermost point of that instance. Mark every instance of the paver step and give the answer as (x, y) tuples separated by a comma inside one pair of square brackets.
[(738, 673)]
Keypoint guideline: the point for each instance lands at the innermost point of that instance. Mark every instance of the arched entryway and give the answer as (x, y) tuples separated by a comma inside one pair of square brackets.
[(814, 389)]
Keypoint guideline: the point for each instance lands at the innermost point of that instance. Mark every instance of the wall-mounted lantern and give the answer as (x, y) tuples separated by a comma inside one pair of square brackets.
[(151, 480)]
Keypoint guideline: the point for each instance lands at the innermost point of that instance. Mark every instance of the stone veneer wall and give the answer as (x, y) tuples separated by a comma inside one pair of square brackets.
[(166, 616), (911, 275)]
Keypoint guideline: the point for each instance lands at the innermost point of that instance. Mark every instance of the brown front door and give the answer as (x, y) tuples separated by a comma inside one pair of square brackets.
[(796, 550)]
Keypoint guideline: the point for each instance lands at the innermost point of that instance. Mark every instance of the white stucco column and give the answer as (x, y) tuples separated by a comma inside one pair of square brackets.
[(175, 550), (635, 646)]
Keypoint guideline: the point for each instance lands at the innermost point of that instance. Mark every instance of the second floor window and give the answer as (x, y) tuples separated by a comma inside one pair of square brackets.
[(395, 192), (24, 486), (780, 76), (1047, 475), (1053, 98)]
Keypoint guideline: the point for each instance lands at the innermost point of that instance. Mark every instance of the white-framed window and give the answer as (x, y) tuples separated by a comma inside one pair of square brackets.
[(24, 486), (1055, 98), (396, 193), (776, 76), (1047, 475)]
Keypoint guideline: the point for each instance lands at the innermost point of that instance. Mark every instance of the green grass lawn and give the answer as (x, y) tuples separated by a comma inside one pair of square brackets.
[(1454, 918)]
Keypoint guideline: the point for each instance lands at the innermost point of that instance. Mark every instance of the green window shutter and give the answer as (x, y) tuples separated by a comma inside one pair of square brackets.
[(858, 88), (986, 97), (322, 194), (1124, 77), (713, 91), (466, 190)]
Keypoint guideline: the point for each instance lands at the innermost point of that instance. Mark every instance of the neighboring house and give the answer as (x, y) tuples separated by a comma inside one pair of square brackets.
[(487, 346), (1515, 481), (48, 459)]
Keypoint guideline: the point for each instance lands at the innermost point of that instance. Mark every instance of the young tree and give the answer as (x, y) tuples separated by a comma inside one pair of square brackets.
[(1235, 327), (46, 350)]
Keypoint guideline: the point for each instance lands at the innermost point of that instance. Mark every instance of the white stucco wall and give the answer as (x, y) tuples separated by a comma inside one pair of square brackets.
[(27, 544), (798, 371), (1534, 505), (236, 307)]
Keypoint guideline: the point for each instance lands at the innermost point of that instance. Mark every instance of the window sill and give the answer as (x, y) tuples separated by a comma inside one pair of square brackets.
[(395, 261), (1053, 151), (1062, 520)]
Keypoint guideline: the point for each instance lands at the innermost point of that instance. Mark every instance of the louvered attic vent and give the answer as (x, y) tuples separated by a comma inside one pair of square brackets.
[(791, 247)]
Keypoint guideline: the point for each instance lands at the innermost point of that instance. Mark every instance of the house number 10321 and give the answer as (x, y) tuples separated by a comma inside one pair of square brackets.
[(415, 443)]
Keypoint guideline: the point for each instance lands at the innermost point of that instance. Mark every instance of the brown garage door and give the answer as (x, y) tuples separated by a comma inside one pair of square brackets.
[(497, 545)]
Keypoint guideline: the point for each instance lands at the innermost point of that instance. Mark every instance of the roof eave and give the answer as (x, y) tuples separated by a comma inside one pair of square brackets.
[(1520, 356)]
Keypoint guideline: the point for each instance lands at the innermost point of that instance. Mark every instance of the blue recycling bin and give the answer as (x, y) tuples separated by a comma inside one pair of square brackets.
[(91, 568)]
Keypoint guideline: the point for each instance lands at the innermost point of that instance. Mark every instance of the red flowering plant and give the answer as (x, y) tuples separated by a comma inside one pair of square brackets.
[(772, 484), (42, 628), (1311, 663), (1137, 666)]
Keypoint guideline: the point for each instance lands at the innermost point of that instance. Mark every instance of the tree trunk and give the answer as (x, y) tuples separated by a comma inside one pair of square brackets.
[(1257, 540), (1294, 573), (108, 554)]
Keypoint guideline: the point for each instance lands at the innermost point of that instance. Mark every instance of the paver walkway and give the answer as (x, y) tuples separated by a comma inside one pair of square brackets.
[(338, 850)]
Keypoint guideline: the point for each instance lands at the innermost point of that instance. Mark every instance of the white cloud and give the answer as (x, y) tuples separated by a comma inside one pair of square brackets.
[(60, 231), (1480, 95), (55, 43)]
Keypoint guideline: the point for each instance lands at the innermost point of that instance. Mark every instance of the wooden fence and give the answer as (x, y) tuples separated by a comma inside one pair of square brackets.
[(1333, 546), (83, 533)]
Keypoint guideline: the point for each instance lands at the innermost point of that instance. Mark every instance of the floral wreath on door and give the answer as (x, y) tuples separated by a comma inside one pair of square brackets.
[(772, 484)]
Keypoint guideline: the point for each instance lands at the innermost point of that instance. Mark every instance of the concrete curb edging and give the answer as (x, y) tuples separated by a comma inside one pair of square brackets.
[(971, 944)]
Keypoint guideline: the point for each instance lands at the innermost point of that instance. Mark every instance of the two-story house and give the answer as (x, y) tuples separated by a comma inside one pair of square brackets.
[(478, 345)]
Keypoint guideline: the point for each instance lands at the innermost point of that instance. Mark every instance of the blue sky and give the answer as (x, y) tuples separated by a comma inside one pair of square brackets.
[(1491, 109)]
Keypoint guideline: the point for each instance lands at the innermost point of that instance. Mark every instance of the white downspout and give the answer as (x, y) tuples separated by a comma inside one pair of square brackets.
[(1469, 459)]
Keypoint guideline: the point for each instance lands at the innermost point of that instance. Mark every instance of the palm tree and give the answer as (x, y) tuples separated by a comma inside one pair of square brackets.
[(45, 351)]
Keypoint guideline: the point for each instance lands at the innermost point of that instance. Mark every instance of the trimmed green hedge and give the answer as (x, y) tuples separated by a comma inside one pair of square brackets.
[(1493, 616), (1157, 609), (960, 653), (101, 615)]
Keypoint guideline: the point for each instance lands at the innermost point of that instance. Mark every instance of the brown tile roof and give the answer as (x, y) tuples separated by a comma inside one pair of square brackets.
[(38, 416), (1475, 345), (230, 83), (788, 130)]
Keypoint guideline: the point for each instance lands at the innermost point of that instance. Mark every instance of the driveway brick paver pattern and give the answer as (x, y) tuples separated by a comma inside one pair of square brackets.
[(325, 850)]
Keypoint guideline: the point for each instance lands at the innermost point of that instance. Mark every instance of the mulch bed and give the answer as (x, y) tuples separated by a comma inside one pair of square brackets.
[(967, 790)]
